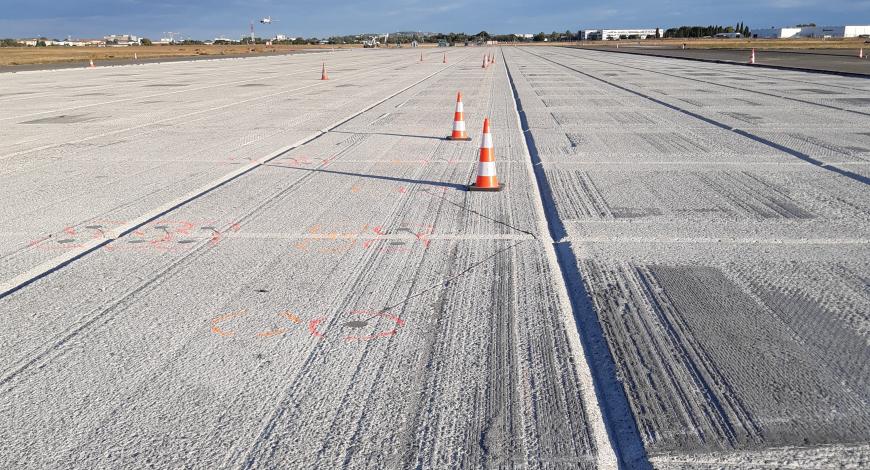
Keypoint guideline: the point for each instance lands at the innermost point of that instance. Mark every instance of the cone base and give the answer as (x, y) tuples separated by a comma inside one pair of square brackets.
[(474, 187), (463, 139)]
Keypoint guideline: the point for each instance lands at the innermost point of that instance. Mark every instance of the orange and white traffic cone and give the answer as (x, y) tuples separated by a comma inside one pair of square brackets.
[(323, 75), (135, 56), (486, 178), (445, 59), (493, 58), (92, 64), (421, 57), (459, 121), (752, 57), (484, 62)]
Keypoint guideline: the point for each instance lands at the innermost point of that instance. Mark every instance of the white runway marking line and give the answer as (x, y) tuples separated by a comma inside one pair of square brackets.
[(368, 236), (57, 262), (606, 456), (378, 118), (724, 240)]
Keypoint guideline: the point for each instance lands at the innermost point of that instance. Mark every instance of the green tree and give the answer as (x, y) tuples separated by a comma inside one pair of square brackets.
[(146, 42)]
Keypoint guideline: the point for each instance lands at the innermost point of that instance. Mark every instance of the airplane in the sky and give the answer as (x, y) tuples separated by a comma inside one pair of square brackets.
[(267, 20)]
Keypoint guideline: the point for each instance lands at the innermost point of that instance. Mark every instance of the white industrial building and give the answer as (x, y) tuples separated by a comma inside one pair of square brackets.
[(607, 34), (812, 32)]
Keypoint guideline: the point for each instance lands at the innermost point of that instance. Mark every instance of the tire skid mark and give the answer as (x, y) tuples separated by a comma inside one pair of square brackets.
[(98, 316), (64, 337), (208, 112), (51, 266), (795, 153)]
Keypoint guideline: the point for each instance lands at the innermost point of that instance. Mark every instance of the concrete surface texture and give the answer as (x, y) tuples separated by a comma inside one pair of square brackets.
[(234, 264), (828, 60)]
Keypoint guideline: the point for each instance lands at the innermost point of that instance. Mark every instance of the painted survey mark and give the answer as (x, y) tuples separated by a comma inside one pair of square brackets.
[(355, 326), (385, 325), (160, 235), (405, 238), (221, 324)]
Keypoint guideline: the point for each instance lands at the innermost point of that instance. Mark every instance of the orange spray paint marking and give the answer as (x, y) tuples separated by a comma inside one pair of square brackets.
[(222, 318), (270, 333), (343, 247), (383, 334), (280, 331), (422, 237), (312, 327), (221, 332), (315, 323), (301, 160), (290, 316)]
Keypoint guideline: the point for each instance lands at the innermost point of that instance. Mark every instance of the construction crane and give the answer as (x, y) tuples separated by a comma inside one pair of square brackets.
[(374, 40), (171, 36)]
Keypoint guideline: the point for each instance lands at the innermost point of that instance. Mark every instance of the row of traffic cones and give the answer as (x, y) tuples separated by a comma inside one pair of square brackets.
[(325, 76), (443, 60), (487, 180), (488, 59)]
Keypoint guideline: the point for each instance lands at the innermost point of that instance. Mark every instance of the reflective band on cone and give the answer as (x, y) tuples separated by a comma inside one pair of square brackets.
[(459, 121), (752, 57), (486, 177)]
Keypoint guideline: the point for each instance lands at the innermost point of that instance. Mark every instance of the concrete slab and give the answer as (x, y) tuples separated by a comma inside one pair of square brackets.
[(346, 304), (737, 330), (824, 60)]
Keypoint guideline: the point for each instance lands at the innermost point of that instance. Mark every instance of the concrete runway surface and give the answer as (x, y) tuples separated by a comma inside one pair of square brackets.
[(842, 61), (233, 264)]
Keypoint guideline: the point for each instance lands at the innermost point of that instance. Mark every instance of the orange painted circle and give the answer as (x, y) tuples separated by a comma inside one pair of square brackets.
[(315, 331)]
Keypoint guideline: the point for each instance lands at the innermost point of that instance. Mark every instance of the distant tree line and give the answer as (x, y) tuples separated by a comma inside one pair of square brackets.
[(702, 31)]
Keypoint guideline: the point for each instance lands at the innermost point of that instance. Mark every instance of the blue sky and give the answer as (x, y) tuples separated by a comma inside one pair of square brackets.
[(206, 19)]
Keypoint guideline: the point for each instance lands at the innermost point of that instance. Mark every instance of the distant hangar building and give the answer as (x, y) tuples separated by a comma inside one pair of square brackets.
[(607, 34), (812, 32)]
